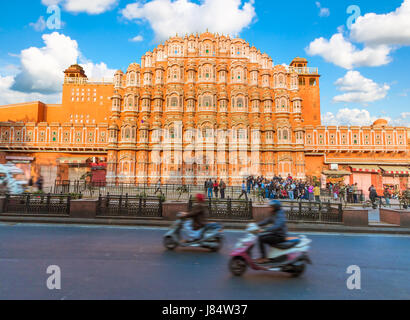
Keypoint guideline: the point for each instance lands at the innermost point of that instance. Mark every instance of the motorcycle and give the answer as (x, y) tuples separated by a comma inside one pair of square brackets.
[(211, 237), (290, 257)]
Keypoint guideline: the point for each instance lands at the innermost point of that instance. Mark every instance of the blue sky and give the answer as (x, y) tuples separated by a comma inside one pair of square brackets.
[(373, 76)]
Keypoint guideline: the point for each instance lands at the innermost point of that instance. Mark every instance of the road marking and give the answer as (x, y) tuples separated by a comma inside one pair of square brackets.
[(314, 233)]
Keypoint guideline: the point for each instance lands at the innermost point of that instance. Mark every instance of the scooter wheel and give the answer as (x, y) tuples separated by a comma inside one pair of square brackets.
[(218, 245), (238, 266), (298, 270), (170, 243)]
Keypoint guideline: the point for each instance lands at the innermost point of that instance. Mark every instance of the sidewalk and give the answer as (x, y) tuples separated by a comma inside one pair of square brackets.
[(230, 225)]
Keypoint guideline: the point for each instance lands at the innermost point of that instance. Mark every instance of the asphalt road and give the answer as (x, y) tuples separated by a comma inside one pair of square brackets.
[(131, 263)]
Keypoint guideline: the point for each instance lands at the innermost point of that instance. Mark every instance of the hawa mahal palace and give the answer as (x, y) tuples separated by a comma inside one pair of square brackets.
[(197, 107)]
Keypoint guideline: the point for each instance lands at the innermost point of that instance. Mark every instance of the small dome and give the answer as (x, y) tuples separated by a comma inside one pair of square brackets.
[(133, 67), (381, 122), (119, 72)]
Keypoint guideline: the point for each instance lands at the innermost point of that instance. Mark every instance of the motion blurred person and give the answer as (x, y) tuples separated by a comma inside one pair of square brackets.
[(197, 219), (275, 232)]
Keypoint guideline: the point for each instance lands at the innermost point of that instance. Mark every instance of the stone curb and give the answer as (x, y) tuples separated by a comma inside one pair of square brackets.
[(293, 227)]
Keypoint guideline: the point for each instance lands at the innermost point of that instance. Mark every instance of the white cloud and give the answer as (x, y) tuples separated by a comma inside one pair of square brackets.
[(40, 25), (167, 17), (357, 117), (42, 68), (40, 76), (98, 71), (343, 53), (323, 12), (9, 96), (348, 117), (359, 89), (137, 39), (88, 6), (403, 120), (384, 29)]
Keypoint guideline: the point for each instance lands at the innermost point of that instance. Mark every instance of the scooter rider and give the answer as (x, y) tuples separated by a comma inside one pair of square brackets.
[(198, 215), (276, 231)]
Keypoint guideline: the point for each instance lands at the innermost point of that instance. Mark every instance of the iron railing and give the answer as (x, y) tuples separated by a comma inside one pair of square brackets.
[(228, 209), (47, 204), (324, 212), (128, 206)]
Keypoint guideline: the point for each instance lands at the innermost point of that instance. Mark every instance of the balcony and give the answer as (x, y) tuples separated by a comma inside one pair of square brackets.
[(304, 70)]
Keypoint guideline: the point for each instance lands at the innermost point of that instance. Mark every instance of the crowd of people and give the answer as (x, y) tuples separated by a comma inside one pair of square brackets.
[(275, 188)]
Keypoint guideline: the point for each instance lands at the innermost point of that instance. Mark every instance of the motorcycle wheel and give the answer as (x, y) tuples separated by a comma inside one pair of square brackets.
[(218, 245), (238, 266), (298, 270), (170, 243)]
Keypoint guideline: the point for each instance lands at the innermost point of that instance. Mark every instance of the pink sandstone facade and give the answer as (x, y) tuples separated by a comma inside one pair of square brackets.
[(198, 107)]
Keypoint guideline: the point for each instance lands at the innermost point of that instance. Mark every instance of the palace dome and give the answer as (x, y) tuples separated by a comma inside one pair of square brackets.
[(380, 122)]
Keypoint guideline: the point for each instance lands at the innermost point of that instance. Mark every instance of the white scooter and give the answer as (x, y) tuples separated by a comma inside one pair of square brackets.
[(211, 236)]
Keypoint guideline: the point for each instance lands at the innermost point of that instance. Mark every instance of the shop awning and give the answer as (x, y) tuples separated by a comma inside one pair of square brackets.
[(365, 168), (395, 169), (337, 173), (73, 160)]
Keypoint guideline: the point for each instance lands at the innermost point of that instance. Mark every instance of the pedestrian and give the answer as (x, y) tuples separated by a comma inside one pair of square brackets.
[(387, 196), (243, 192), (336, 192), (30, 185), (210, 187), (216, 188), (158, 187), (311, 196), (316, 192), (39, 183), (355, 193), (222, 187)]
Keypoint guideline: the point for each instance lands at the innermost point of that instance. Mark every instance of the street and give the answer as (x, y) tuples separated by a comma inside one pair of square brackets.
[(131, 263)]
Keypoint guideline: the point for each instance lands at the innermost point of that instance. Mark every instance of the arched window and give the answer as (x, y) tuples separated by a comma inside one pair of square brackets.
[(207, 101), (127, 133), (285, 134), (281, 80), (132, 78), (174, 102), (240, 103)]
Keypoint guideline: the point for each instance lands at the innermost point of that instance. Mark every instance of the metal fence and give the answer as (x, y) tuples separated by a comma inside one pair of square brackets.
[(308, 211), (170, 191), (45, 204), (228, 209), (119, 206)]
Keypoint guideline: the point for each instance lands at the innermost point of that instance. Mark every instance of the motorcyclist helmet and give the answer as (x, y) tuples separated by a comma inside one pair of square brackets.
[(276, 205), (200, 198)]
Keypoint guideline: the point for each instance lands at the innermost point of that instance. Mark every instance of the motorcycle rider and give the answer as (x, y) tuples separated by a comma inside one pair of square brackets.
[(275, 232), (197, 215)]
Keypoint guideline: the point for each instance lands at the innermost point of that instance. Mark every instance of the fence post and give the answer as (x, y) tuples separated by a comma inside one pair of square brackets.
[(68, 204), (99, 205), (140, 206), (120, 205), (190, 203), (340, 212), (300, 208), (251, 209), (229, 206), (6, 203), (107, 201), (28, 203), (160, 207), (49, 201)]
